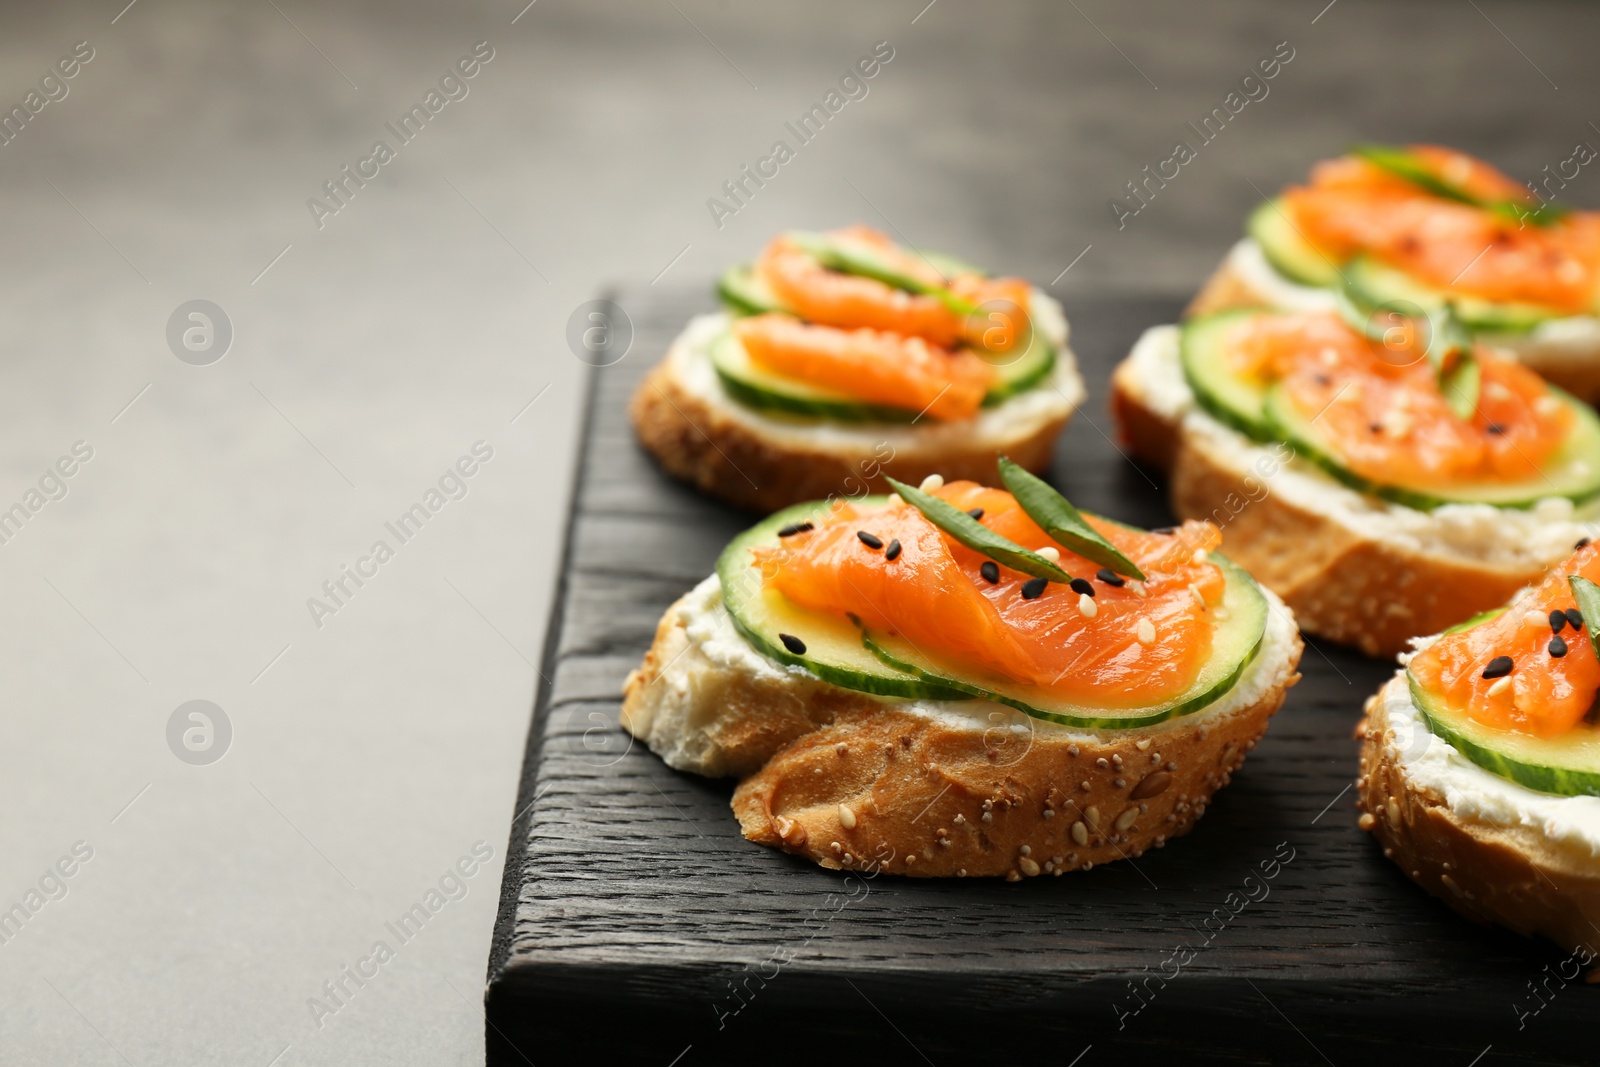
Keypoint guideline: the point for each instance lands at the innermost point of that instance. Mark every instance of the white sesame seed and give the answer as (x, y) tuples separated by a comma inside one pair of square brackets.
[(1200, 555), (1125, 820), (1500, 686), (1092, 817), (1139, 589), (932, 483), (847, 817), (1146, 632), (1029, 867), (1080, 833), (1535, 618), (1194, 590), (1049, 552), (1086, 606), (1142, 744)]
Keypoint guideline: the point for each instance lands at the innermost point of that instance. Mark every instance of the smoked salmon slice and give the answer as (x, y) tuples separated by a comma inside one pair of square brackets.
[(1527, 670), (872, 365), (1353, 206), (1381, 409), (1104, 640)]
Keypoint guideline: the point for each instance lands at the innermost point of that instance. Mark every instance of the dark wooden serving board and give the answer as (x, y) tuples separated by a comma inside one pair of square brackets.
[(632, 908)]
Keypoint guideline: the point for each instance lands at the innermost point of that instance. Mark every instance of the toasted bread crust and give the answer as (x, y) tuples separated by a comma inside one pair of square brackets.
[(1576, 372), (1491, 874), (852, 782), (697, 442), (1341, 584)]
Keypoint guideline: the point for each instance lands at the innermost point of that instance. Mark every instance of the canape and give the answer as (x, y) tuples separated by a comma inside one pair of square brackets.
[(956, 680), (1480, 761), (841, 359)]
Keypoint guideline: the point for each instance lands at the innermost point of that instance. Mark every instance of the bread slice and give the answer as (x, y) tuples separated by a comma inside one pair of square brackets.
[(1565, 352), (1354, 569), (929, 788), (764, 461), (1493, 850)]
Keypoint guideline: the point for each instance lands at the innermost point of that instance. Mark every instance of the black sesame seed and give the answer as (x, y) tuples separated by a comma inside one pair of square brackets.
[(1575, 617), (870, 540), (795, 528), (1164, 530), (1557, 647), (793, 644), (1081, 585), (990, 571), (892, 551), (1110, 577), (1558, 619), (1323, 379), (1583, 542), (853, 617), (1375, 427), (1494, 428), (1498, 667), (976, 513), (1034, 587)]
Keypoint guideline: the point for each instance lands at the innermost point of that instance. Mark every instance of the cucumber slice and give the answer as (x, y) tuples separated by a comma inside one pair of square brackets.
[(1573, 471), (742, 293), (1379, 283), (1234, 648), (1568, 765), (758, 387), (833, 647), (1226, 395), (1289, 253)]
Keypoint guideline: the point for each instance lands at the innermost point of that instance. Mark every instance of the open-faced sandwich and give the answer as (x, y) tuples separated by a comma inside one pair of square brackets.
[(958, 680), (842, 359), (1386, 477), (1430, 226), (1480, 761)]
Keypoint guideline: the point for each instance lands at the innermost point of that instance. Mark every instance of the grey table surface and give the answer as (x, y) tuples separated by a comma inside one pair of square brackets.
[(374, 747)]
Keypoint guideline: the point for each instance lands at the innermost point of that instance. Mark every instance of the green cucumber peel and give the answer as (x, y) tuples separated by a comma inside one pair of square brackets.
[(1064, 523), (978, 537), (1403, 164), (1587, 594), (856, 261)]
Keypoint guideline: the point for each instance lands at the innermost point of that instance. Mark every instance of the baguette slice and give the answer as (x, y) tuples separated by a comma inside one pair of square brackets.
[(1493, 850), (927, 788), (1354, 569), (764, 462), (1564, 352)]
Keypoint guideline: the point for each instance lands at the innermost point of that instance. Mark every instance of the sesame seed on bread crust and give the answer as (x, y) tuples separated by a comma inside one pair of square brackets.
[(971, 789)]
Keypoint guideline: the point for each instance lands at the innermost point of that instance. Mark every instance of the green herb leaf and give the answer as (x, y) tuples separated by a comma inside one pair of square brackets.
[(1588, 596), (978, 537), (1403, 164), (1449, 349), (861, 262), (1063, 522)]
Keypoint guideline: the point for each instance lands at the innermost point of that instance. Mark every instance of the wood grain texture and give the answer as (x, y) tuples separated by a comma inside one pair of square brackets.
[(635, 920)]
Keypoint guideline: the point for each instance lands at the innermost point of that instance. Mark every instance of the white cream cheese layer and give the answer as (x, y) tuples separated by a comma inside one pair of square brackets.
[(1513, 537), (1010, 420)]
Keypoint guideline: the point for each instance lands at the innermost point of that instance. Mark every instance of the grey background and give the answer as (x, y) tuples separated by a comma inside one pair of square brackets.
[(371, 753)]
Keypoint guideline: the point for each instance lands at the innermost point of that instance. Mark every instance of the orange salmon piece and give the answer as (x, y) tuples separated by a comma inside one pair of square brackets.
[(934, 594), (1547, 695), (871, 365), (1352, 206), (1383, 413)]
